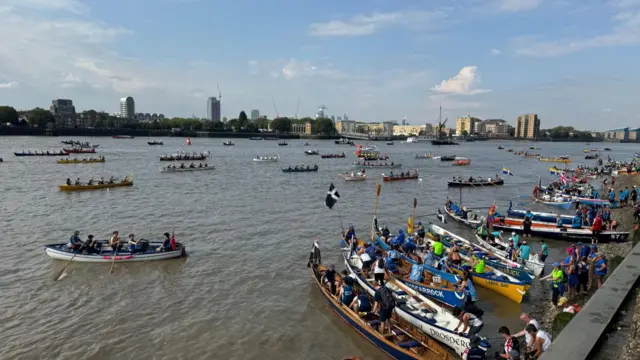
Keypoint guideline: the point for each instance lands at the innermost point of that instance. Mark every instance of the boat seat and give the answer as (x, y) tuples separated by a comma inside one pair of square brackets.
[(489, 273), (409, 344)]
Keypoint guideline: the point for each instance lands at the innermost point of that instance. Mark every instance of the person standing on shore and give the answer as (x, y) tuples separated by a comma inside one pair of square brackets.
[(583, 274), (544, 251), (634, 195), (557, 285)]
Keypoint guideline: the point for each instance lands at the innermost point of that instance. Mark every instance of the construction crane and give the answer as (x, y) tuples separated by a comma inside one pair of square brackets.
[(275, 107), (219, 93)]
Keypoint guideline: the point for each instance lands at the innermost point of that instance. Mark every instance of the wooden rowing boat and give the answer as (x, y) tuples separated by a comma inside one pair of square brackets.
[(392, 177), (426, 317), (80, 161), (106, 255), (170, 169), (475, 183), (552, 231), (66, 187), (472, 221), (499, 248)]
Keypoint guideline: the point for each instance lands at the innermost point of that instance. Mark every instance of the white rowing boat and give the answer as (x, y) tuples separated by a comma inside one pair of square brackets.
[(499, 250), (170, 169), (106, 255), (354, 176), (266, 158)]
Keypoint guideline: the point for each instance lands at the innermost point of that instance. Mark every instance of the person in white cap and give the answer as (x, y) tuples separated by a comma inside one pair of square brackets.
[(515, 238)]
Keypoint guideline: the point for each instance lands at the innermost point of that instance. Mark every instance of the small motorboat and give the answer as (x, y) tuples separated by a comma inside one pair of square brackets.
[(312, 152), (228, 143), (500, 147), (188, 141), (390, 143), (448, 158), (155, 142), (424, 156), (354, 176), (283, 143)]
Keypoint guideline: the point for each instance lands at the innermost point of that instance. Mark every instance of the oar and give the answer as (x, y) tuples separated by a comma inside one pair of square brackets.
[(114, 259), (415, 204), (375, 209), (65, 267)]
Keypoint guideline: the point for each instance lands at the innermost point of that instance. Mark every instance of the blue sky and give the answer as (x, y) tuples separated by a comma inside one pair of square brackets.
[(569, 61)]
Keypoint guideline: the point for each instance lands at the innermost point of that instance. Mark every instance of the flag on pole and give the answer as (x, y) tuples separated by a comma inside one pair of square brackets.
[(507, 171), (173, 240), (332, 196)]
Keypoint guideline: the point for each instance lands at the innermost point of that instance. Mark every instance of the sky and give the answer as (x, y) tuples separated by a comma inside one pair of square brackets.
[(569, 61)]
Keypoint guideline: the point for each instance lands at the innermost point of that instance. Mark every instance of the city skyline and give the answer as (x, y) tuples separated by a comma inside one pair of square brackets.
[(484, 58)]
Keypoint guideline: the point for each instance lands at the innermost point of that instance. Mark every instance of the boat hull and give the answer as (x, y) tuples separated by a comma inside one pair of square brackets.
[(59, 252), (475, 184), (66, 187), (397, 178), (564, 233), (79, 161), (297, 171), (177, 170), (27, 154), (469, 222)]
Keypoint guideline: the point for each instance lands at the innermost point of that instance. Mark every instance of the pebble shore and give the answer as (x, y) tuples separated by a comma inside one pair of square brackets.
[(546, 313)]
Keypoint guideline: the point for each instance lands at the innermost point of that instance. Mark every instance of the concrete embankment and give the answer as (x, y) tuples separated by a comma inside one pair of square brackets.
[(582, 336)]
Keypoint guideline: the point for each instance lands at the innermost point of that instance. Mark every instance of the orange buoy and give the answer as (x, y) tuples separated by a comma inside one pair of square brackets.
[(188, 141)]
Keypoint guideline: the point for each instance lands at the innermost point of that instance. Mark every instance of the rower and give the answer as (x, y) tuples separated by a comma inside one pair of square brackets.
[(478, 263), (350, 233), (166, 243), (90, 181), (420, 232), (75, 243), (92, 246), (182, 166), (134, 246), (111, 179), (115, 242), (68, 181), (78, 181), (192, 165), (101, 181), (200, 165)]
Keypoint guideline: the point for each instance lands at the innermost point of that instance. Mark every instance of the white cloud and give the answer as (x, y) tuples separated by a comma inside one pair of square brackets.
[(254, 67), (70, 81), (8, 85), (73, 6), (464, 83), (495, 52), (361, 25), (517, 5), (293, 69), (625, 32)]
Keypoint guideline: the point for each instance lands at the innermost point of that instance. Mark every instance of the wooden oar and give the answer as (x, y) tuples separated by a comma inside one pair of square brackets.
[(375, 209), (415, 204), (65, 266), (114, 259)]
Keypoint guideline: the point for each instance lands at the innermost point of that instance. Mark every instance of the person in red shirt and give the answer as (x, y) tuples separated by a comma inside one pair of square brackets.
[(613, 180), (596, 229)]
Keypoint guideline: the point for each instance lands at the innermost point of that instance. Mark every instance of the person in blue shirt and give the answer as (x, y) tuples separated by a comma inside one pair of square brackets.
[(75, 243), (409, 246), (600, 269), (386, 234), (583, 274), (529, 214), (399, 239), (612, 196), (511, 252), (346, 294), (515, 238), (524, 251), (544, 251), (576, 223), (625, 193), (430, 258), (361, 303), (351, 233)]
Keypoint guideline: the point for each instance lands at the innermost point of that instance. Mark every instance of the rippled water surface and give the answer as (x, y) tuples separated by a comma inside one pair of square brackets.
[(244, 292)]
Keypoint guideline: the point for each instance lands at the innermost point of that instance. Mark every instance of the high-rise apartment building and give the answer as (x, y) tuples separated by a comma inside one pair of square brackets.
[(64, 112), (213, 109), (468, 124), (255, 114), (527, 126), (127, 108)]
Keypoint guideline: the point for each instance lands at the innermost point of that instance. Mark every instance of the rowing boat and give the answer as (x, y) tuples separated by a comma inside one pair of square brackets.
[(228, 143), (548, 230), (170, 169), (312, 152), (461, 162), (377, 165), (472, 221), (492, 279), (266, 158), (300, 169), (392, 177), (333, 156), (60, 153), (424, 156), (106, 255), (66, 187), (80, 150), (499, 248), (353, 176), (80, 161), (557, 201), (475, 183), (408, 341), (556, 160), (447, 158), (155, 143)]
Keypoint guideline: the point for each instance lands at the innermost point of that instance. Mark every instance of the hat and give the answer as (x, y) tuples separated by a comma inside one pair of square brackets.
[(594, 247), (399, 231), (115, 232), (563, 300), (513, 233), (556, 264), (130, 235), (524, 242), (419, 222)]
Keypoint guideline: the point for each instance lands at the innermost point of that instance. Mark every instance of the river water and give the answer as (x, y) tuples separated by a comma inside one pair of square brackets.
[(244, 292)]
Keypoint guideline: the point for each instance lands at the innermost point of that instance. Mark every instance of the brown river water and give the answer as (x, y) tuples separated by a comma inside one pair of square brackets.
[(244, 292)]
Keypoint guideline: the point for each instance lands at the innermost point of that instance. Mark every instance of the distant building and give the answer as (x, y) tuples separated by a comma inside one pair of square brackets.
[(408, 130), (428, 129), (345, 117), (494, 127), (346, 126), (127, 108), (64, 112), (468, 124), (213, 109), (527, 126), (322, 112), (255, 114)]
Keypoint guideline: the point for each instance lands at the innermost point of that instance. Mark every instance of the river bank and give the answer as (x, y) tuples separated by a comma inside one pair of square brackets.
[(553, 320)]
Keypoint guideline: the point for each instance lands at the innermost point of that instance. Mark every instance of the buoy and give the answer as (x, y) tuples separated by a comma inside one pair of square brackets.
[(188, 141)]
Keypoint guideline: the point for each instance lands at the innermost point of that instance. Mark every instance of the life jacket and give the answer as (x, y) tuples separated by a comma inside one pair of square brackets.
[(479, 267), (347, 294), (558, 277), (438, 248)]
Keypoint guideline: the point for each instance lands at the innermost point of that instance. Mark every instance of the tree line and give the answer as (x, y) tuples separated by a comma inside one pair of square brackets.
[(39, 117)]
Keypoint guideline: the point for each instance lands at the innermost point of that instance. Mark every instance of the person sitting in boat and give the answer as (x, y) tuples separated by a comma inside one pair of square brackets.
[(111, 180), (390, 173), (78, 181), (420, 232), (399, 239), (182, 166), (200, 166), (92, 246), (101, 181), (479, 178), (470, 179), (315, 166), (478, 263), (483, 232), (206, 165), (68, 181), (361, 303), (386, 234), (75, 243), (115, 242), (192, 165), (345, 294), (329, 279), (166, 243)]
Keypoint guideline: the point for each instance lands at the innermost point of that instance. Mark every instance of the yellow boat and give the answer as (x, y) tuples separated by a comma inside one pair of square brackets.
[(66, 187), (80, 161), (556, 160)]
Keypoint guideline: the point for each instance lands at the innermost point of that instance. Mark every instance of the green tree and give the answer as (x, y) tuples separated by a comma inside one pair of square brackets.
[(282, 125), (323, 126), (262, 123), (465, 133), (8, 115), (40, 117), (243, 120), (252, 127), (233, 125)]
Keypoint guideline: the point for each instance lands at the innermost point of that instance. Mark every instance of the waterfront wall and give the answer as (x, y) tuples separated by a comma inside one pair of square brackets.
[(580, 338)]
